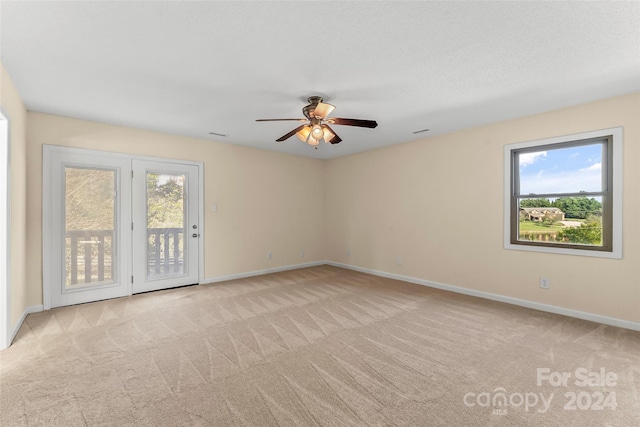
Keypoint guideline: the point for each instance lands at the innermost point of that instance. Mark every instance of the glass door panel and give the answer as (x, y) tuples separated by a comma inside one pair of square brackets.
[(90, 224), (166, 226)]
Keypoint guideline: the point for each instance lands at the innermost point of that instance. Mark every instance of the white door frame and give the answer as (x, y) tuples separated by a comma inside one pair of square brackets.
[(47, 226), (5, 240)]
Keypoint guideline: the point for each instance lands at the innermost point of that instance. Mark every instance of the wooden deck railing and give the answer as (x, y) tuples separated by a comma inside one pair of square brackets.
[(89, 254), (165, 249)]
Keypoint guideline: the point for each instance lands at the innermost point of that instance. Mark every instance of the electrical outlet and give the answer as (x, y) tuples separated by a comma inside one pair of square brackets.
[(399, 260), (269, 255), (545, 283), (349, 253), (301, 254)]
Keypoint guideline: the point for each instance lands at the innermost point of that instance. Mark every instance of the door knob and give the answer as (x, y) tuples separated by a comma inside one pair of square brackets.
[(194, 235)]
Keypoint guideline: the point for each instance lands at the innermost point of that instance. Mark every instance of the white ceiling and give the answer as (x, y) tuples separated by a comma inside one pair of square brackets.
[(191, 68)]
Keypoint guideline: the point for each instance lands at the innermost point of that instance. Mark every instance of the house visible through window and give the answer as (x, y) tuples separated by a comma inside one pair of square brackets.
[(563, 196)]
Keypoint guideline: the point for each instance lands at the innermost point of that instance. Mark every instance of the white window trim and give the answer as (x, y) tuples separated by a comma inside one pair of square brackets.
[(616, 252)]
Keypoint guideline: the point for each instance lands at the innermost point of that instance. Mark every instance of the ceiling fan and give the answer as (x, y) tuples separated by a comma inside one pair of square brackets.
[(318, 129)]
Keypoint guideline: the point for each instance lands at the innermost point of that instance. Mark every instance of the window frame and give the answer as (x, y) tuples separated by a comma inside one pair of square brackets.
[(611, 193)]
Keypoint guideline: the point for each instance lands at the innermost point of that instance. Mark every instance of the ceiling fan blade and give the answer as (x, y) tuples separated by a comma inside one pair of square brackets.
[(290, 134), (336, 139), (353, 122), (281, 120), (322, 110)]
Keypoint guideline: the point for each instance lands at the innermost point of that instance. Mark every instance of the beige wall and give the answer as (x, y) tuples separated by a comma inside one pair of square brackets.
[(266, 201), (411, 200), (416, 200), (14, 108)]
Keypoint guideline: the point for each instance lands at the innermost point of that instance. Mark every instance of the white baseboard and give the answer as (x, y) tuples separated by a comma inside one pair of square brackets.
[(28, 310), (261, 272), (612, 321)]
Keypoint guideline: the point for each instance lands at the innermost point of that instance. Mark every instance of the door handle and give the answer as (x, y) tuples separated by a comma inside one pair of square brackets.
[(195, 235)]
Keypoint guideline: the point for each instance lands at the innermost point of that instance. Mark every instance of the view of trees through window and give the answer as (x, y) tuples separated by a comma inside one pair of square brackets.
[(578, 220), (89, 225), (165, 224), (165, 200), (561, 194)]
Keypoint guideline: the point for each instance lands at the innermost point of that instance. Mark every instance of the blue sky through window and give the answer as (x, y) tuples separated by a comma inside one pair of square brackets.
[(565, 170)]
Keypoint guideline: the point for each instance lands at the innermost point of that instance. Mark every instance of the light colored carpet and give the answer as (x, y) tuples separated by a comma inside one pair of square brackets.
[(314, 347)]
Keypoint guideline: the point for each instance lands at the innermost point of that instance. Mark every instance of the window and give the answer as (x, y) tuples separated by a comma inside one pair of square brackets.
[(563, 195)]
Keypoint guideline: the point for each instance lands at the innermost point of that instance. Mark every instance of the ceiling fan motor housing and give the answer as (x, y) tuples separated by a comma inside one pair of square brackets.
[(308, 110)]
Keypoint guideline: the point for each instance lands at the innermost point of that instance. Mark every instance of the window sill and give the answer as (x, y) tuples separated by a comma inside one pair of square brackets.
[(615, 254)]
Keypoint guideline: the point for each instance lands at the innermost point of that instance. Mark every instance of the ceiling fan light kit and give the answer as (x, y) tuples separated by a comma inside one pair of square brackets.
[(312, 141), (317, 132), (304, 133), (318, 129)]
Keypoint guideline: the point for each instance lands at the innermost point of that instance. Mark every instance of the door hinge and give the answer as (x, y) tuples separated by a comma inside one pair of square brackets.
[(131, 279), (132, 174), (132, 226)]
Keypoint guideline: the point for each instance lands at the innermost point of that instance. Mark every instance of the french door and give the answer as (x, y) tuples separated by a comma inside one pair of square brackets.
[(116, 225), (90, 213), (165, 225)]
